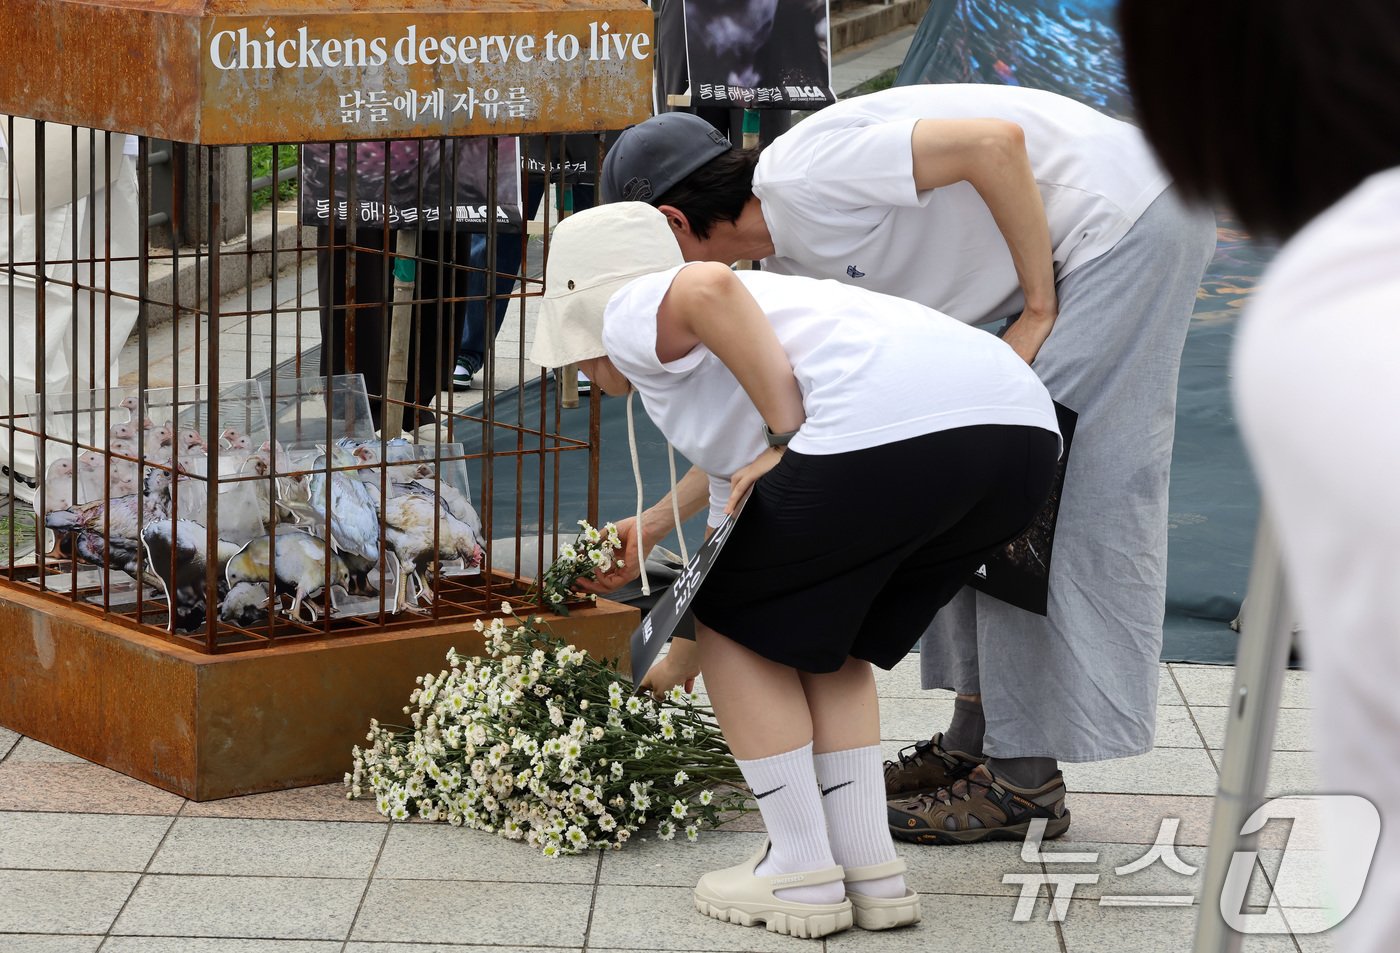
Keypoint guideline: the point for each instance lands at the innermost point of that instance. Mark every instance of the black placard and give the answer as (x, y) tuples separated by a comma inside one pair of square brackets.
[(661, 622), (1019, 572)]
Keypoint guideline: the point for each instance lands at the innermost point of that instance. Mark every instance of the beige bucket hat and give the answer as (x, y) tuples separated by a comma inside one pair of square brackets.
[(592, 254)]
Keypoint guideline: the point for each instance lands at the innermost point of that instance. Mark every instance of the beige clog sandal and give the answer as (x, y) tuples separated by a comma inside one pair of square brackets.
[(738, 895), (879, 913)]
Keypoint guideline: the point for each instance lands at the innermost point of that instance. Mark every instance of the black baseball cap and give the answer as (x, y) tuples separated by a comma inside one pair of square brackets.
[(648, 159)]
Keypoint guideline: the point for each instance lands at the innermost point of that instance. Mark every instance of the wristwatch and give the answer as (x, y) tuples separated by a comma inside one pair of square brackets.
[(778, 439)]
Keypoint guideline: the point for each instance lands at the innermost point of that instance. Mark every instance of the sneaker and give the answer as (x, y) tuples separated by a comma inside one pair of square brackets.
[(462, 378), (738, 895), (980, 808), (925, 767)]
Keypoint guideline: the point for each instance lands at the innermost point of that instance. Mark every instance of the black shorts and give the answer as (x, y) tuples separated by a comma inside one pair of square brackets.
[(852, 554)]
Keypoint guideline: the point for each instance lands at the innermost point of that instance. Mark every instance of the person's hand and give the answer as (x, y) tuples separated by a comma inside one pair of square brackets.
[(1028, 332), (680, 666), (620, 573), (743, 480)]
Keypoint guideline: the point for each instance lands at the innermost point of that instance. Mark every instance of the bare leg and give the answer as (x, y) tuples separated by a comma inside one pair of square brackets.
[(761, 705), (763, 712), (844, 707)]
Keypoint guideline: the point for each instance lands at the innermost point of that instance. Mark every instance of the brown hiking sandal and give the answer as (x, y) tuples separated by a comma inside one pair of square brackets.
[(980, 808), (925, 767)]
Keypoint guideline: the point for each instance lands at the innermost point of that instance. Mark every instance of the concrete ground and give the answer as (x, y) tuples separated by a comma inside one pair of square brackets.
[(93, 861)]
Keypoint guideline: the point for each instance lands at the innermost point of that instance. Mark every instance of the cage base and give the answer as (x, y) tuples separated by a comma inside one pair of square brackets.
[(212, 726)]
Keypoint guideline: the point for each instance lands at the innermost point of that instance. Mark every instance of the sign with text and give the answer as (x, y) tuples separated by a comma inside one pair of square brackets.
[(759, 54), (398, 75), (409, 183), (664, 618), (260, 71)]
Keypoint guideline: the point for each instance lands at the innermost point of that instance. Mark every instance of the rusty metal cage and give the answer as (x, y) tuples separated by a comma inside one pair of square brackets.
[(226, 400), (183, 432)]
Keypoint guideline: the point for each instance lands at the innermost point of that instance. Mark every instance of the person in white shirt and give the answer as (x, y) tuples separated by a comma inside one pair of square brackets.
[(1306, 148), (989, 203), (875, 492)]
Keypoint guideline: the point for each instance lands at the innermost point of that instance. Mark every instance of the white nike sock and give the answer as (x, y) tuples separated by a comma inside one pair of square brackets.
[(853, 799), (785, 786)]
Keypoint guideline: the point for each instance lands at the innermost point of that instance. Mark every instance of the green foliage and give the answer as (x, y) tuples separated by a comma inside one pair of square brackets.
[(288, 156)]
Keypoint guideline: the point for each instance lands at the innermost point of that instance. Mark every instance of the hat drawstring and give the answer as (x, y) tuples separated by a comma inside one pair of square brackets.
[(637, 475), (675, 503)]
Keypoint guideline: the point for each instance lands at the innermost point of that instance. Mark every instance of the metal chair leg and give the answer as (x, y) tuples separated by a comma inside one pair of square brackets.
[(1261, 661)]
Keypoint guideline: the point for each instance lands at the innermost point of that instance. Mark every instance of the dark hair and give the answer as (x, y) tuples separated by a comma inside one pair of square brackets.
[(716, 192), (1277, 107)]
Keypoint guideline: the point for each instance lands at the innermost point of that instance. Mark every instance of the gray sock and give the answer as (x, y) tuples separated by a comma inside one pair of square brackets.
[(1023, 772), (966, 729)]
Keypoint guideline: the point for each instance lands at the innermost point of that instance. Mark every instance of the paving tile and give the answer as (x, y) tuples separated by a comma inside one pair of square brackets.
[(248, 907), (914, 719), (324, 802), (8, 739), (659, 863), (43, 841), (433, 911), (971, 870), (1176, 729), (1290, 772), (1167, 691), (959, 925), (80, 788), (456, 948), (1090, 928), (1292, 731), (1211, 685), (50, 901), (441, 852), (1162, 771), (257, 848), (185, 944), (902, 681), (1136, 818), (42, 943), (36, 751), (648, 918)]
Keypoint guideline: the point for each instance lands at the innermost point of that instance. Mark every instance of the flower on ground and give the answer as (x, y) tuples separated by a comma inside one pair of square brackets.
[(527, 744)]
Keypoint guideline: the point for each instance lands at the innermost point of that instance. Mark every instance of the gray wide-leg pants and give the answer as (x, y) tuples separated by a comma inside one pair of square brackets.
[(1081, 683)]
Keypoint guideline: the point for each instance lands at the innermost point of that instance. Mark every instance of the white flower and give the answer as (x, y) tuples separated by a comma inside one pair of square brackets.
[(596, 734), (576, 836), (668, 732), (505, 607), (692, 833), (666, 830), (572, 749), (606, 822), (399, 813), (706, 797), (678, 810), (634, 705), (551, 850), (680, 778), (591, 534), (568, 552)]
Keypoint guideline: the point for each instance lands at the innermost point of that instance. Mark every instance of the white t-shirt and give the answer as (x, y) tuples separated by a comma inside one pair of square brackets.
[(872, 370), (838, 195), (1317, 388)]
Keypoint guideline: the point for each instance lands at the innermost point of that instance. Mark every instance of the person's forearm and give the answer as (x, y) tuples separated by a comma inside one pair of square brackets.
[(692, 492), (990, 155)]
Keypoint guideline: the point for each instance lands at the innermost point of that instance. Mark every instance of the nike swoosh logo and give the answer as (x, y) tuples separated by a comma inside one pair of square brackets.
[(759, 797), (837, 787)]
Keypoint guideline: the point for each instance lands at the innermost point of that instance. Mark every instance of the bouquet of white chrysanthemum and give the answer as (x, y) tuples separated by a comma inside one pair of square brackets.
[(592, 552), (541, 742)]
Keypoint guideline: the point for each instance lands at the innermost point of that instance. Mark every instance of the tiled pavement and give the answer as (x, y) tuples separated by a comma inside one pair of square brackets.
[(93, 861)]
